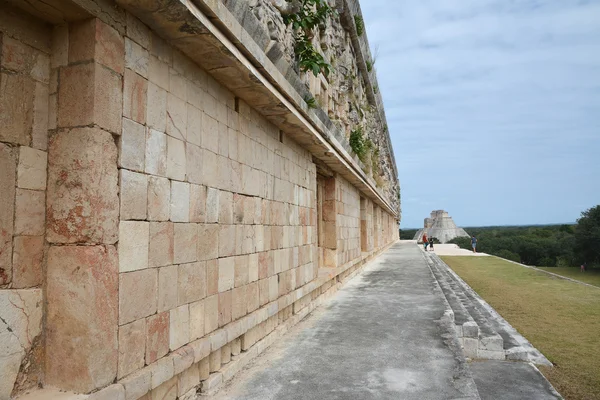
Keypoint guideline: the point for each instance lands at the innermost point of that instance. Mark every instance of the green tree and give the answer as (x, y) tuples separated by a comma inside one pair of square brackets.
[(587, 236)]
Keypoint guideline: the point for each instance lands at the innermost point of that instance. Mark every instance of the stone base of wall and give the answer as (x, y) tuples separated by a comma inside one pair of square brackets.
[(204, 366)]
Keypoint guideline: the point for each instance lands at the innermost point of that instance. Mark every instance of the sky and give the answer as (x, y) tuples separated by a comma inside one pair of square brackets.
[(493, 106)]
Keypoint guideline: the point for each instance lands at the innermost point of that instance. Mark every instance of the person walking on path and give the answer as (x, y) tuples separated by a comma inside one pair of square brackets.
[(583, 267), (431, 243), (425, 242), (474, 244)]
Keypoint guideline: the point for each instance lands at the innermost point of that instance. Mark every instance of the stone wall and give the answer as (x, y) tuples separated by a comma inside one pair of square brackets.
[(176, 233)]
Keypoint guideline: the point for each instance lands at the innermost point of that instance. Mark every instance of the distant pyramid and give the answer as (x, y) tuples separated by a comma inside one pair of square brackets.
[(441, 226)]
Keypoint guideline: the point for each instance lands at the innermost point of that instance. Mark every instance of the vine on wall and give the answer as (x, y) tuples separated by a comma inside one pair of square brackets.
[(311, 14)]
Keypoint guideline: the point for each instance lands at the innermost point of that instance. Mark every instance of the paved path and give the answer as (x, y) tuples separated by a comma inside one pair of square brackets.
[(381, 337), (454, 250)]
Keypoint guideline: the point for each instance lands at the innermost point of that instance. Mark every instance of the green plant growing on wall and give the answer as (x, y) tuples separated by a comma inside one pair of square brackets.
[(311, 102), (311, 14), (360, 25), (357, 143), (375, 89), (369, 65)]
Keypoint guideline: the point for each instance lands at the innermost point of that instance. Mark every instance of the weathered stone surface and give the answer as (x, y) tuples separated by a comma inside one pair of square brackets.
[(188, 379), (194, 155), (180, 201), (30, 212), (167, 289), (20, 324), (8, 164), (134, 193), (239, 302), (161, 244), (212, 205), (227, 240), (176, 161), (27, 261), (159, 199), (194, 125), (211, 313), (88, 94), (197, 203), (196, 320), (208, 241), (134, 237), (137, 31), (191, 282), (156, 107), (16, 102), (132, 346), (157, 336), (94, 40), (132, 146), (83, 202), (82, 323), (185, 243), (138, 295), (112, 392), (225, 307), (166, 391), (136, 58), (135, 95), (179, 331), (32, 168)]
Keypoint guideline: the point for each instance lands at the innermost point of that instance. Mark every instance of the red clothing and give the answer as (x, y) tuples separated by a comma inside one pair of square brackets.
[(424, 238)]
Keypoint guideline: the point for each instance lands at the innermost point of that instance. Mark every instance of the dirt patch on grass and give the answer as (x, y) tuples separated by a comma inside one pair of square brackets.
[(560, 318)]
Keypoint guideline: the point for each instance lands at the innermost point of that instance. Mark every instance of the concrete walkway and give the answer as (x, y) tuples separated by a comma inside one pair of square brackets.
[(383, 336)]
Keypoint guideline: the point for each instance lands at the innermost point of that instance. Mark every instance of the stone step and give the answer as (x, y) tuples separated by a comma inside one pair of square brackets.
[(492, 327), (478, 336)]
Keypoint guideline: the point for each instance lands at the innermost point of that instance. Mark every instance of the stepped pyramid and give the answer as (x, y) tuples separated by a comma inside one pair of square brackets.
[(441, 226)]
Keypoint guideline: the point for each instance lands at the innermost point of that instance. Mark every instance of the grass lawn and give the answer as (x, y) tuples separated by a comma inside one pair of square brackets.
[(560, 318), (590, 276)]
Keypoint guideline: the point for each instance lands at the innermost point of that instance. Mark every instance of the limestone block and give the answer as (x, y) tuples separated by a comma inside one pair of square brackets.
[(273, 288), (224, 133), (27, 261), (88, 94), (226, 273), (138, 292), (137, 31), (470, 330), (236, 346), (470, 347), (208, 240), (166, 391), (201, 348), (241, 270), (225, 207), (197, 320), (227, 240), (135, 96), (263, 291), (226, 354), (214, 360), (134, 237), (132, 144), (32, 168), (194, 125), (264, 259), (167, 288), (134, 195), (185, 243), (8, 164), (179, 327), (157, 336), (183, 358), (92, 39), (225, 307), (204, 368), (162, 370), (239, 302), (211, 313), (177, 84), (191, 282), (176, 162), (224, 170), (158, 72), (176, 117), (212, 277), (194, 156), (253, 267), (39, 130), (252, 297), (210, 168), (188, 380), (160, 248), (132, 345), (136, 58), (159, 199), (210, 134), (197, 204), (20, 324), (212, 205), (16, 102), (83, 202), (180, 201), (491, 343), (137, 384), (156, 107), (81, 324), (30, 212), (112, 392)]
